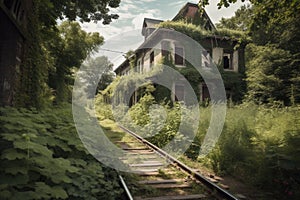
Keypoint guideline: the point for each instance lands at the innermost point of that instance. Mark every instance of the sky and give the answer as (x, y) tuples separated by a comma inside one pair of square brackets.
[(124, 34)]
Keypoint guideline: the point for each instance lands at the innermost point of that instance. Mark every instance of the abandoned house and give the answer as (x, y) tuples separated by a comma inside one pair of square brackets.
[(223, 51), (13, 20)]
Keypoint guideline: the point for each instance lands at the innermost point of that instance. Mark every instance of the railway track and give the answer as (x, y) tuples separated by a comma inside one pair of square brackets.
[(163, 177)]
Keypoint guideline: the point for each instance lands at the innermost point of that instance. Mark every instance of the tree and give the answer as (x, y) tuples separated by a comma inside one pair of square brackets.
[(57, 49), (269, 74), (70, 48), (97, 71), (273, 68), (84, 10), (241, 21)]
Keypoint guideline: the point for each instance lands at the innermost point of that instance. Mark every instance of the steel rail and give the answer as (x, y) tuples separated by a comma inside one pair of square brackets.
[(128, 194), (223, 193)]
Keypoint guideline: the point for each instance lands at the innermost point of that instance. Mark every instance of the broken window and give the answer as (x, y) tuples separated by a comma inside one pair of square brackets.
[(205, 59), (227, 61), (179, 56)]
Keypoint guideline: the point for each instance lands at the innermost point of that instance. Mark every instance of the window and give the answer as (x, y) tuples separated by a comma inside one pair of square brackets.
[(151, 58), (227, 61), (179, 93), (179, 56), (139, 66), (205, 59), (142, 65)]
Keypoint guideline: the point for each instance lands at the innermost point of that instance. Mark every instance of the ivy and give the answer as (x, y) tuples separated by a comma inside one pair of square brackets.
[(198, 33), (42, 157)]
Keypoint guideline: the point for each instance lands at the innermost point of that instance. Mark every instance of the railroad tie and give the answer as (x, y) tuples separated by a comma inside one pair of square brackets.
[(183, 197)]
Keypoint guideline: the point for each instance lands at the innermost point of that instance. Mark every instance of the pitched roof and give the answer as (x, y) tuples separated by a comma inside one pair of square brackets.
[(150, 23), (189, 10)]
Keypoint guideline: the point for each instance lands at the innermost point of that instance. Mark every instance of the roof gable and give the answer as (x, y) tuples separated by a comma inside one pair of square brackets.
[(150, 23), (190, 13)]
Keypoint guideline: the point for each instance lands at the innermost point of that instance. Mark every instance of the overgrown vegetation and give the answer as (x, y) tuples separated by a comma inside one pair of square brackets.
[(42, 157), (198, 33), (259, 144)]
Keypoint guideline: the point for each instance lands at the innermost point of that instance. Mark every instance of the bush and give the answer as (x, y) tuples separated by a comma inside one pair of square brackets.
[(260, 145), (43, 158)]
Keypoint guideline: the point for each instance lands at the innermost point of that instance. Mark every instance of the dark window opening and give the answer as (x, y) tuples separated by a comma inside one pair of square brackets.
[(226, 62), (139, 66), (151, 59), (142, 65), (179, 56), (8, 4), (179, 93)]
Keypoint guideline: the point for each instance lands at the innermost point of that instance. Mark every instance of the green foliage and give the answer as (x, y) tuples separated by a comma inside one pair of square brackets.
[(271, 75), (32, 89), (85, 11), (198, 33), (42, 157), (75, 46), (241, 20), (260, 146), (52, 52), (95, 75), (273, 60)]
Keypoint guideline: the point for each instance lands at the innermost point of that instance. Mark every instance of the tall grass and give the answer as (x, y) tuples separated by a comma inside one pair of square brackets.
[(259, 144)]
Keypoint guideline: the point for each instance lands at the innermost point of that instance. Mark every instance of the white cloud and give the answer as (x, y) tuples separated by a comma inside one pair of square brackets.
[(127, 7), (105, 30), (154, 11), (147, 1), (177, 3), (123, 16)]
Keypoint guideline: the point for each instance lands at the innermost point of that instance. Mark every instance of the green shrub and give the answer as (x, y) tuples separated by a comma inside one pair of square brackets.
[(42, 157)]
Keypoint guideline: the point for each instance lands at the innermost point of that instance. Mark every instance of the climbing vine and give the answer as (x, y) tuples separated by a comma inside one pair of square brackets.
[(42, 157)]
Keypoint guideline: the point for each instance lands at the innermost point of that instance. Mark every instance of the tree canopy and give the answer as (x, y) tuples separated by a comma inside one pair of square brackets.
[(53, 52), (84, 10), (274, 57)]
